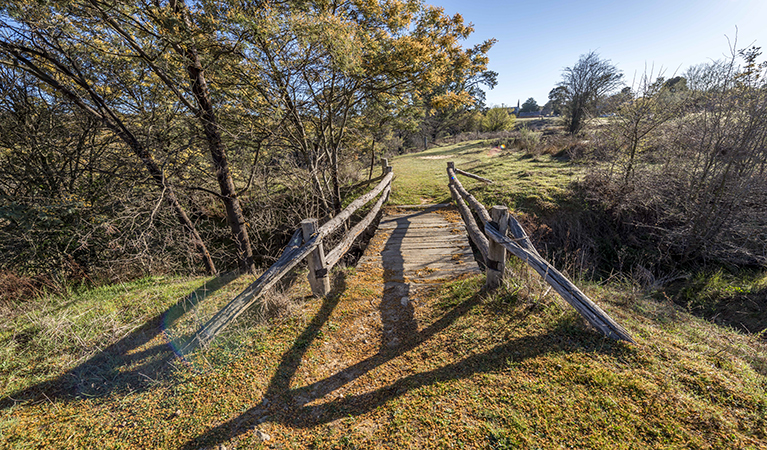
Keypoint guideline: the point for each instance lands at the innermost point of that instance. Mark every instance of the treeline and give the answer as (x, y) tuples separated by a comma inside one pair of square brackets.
[(154, 136)]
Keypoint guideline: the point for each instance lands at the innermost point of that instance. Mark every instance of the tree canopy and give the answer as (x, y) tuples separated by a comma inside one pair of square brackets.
[(215, 99), (530, 105)]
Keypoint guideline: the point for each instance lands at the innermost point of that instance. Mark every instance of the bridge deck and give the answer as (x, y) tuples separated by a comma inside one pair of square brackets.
[(421, 244), (415, 247)]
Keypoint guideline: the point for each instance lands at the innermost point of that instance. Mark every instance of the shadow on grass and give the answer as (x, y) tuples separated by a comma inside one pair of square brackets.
[(294, 408), (126, 365), (743, 311)]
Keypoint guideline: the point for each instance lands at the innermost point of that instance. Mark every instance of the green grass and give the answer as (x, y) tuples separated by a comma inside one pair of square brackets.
[(531, 183), (517, 368)]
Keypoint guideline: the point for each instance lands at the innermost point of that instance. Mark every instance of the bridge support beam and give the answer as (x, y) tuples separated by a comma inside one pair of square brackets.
[(496, 255), (319, 278)]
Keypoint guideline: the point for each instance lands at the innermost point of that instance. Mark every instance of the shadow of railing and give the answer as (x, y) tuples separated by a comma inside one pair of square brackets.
[(130, 364), (296, 407), (280, 404)]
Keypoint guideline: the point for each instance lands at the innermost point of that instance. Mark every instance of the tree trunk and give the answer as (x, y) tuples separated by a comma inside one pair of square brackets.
[(217, 150), (336, 184), (372, 158), (159, 178)]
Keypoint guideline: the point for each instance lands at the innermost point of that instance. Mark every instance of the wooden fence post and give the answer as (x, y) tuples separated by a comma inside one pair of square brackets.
[(450, 165), (319, 278), (385, 167), (496, 255)]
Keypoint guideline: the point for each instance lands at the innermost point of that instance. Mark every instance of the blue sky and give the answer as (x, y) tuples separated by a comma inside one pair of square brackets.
[(538, 38)]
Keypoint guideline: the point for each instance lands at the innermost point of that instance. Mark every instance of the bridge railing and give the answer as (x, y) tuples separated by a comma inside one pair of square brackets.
[(493, 241), (306, 242)]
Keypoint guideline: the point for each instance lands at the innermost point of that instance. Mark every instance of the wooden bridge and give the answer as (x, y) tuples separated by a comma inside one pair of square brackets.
[(416, 246)]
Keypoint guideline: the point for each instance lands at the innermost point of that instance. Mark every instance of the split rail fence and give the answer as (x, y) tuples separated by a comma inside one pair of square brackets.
[(493, 241), (306, 242)]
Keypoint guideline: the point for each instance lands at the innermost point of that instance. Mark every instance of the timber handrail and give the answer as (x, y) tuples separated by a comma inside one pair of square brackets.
[(305, 242), (494, 243), (484, 216), (564, 287), (471, 175), (471, 225)]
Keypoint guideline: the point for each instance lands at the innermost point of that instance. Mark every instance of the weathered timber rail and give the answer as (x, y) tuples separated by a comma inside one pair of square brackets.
[(306, 242), (492, 242)]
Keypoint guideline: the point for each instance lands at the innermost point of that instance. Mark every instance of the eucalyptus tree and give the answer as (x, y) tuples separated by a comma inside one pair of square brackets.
[(456, 102), (324, 64)]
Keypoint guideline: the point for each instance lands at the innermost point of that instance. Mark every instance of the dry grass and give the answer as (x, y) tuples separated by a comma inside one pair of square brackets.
[(512, 369)]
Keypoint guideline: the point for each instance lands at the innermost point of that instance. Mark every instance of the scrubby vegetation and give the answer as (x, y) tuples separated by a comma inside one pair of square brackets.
[(147, 139)]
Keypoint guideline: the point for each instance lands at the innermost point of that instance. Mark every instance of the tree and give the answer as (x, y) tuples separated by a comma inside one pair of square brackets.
[(497, 119), (91, 52), (300, 77), (636, 118), (325, 69), (557, 100), (584, 84), (74, 54), (530, 105)]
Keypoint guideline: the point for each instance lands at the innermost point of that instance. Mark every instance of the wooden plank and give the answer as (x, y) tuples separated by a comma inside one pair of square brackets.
[(437, 264), (475, 234), (337, 253), (471, 175), (564, 287), (420, 255), (426, 207), (456, 244), (333, 224), (425, 233), (429, 225)]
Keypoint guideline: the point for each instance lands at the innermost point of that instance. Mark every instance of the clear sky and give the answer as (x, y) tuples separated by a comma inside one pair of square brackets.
[(538, 38)]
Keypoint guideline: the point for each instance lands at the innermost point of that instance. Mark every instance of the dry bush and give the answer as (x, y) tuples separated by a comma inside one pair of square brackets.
[(687, 176), (528, 140), (15, 289), (575, 148)]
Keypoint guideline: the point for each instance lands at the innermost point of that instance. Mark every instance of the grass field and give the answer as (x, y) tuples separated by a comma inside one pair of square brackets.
[(520, 179), (517, 368)]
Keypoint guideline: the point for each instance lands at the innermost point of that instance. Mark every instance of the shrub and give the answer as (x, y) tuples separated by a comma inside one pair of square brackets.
[(528, 140), (688, 169)]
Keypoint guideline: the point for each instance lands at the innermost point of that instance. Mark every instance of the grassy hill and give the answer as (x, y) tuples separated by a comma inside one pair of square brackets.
[(517, 368)]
